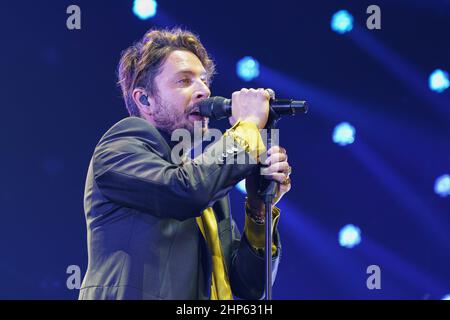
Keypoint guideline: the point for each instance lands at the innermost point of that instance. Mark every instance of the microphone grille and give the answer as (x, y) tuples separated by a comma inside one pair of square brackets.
[(213, 107)]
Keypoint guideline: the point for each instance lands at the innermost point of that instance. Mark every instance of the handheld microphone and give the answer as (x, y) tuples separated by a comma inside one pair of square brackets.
[(219, 107)]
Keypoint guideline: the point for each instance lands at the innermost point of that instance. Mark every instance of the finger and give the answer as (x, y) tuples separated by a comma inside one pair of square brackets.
[(271, 93), (281, 167), (286, 168), (289, 171), (284, 188), (277, 176), (264, 92), (275, 149), (276, 157)]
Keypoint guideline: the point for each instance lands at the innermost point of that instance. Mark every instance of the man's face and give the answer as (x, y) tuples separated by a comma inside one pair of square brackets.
[(181, 84)]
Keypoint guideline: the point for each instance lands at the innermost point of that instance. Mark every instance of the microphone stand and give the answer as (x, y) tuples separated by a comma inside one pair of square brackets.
[(267, 191)]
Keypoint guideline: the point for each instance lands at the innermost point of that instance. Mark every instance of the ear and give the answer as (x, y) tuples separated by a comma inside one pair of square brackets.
[(142, 101)]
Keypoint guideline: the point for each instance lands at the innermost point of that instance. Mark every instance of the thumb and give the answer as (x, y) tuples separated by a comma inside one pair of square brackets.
[(232, 120)]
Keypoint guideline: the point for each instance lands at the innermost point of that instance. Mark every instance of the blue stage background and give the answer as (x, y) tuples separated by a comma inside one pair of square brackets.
[(59, 95)]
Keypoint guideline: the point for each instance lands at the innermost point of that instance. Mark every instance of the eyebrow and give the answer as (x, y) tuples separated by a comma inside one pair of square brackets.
[(190, 72)]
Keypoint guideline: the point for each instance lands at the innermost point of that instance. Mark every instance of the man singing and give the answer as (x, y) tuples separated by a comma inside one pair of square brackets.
[(160, 229)]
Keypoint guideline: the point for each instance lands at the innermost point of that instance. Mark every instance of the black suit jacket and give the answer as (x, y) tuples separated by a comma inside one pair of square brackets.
[(140, 207)]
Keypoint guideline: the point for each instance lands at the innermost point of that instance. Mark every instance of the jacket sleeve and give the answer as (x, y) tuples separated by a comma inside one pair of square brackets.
[(133, 173)]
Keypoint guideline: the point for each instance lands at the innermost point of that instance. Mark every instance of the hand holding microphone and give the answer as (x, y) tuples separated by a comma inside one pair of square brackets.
[(251, 104)]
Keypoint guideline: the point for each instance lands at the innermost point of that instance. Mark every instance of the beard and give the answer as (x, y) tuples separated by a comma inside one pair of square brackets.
[(168, 118)]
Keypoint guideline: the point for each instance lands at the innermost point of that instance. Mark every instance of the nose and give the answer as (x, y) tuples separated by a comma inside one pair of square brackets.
[(202, 92)]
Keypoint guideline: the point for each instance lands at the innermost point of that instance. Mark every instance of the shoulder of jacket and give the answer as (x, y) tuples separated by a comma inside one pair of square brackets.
[(133, 128), (132, 131)]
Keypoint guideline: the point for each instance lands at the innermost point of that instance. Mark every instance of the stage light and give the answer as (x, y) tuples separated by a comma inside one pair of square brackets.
[(247, 68), (343, 134), (438, 80), (144, 9), (442, 185), (241, 186), (342, 22), (446, 297), (349, 236)]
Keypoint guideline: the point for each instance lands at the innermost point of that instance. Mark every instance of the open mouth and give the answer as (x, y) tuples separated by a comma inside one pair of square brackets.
[(195, 113)]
